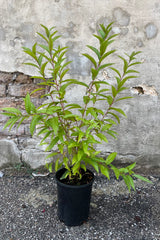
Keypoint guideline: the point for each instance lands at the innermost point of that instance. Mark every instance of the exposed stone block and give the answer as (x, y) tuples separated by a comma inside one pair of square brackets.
[(9, 153), (11, 102), (23, 89), (2, 90), (35, 158), (14, 131), (22, 78), (5, 77)]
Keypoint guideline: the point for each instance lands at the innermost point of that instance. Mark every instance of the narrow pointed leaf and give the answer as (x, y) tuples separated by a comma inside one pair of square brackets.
[(111, 158), (142, 178), (105, 171), (91, 59)]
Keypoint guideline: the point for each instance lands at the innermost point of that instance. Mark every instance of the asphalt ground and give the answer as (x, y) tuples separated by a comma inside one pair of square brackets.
[(28, 209)]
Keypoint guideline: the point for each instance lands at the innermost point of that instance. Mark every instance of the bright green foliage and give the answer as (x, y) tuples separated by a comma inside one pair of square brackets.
[(76, 135)]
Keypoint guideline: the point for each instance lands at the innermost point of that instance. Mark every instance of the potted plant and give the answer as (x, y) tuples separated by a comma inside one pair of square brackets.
[(73, 128)]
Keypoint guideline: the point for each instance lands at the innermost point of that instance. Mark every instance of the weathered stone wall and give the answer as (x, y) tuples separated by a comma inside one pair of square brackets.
[(137, 23)]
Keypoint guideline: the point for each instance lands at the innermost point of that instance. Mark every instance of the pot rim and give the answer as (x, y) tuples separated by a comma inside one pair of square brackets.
[(74, 186)]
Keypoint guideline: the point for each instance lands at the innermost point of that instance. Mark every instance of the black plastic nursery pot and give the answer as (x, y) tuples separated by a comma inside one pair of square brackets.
[(73, 201)]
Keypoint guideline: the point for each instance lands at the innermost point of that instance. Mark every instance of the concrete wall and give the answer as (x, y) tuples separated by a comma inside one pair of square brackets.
[(136, 21)]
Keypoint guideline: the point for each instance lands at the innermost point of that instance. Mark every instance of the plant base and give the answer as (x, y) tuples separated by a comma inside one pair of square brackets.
[(73, 201)]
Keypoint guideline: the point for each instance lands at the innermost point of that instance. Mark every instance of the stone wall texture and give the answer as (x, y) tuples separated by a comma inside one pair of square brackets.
[(138, 25)]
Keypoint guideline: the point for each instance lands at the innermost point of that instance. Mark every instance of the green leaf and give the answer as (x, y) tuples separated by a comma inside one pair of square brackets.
[(110, 121), (36, 90), (105, 171), (102, 137), (91, 59), (85, 148), (86, 99), (118, 110), (95, 50), (109, 100), (131, 182), (45, 48), (65, 174), (74, 159), (72, 144), (53, 123), (31, 64), (34, 122), (20, 122), (50, 43), (92, 112), (42, 36), (132, 71), (12, 110), (133, 54), (125, 64), (30, 53), (106, 55), (112, 133), (27, 101), (10, 121), (45, 56), (55, 38), (8, 114), (49, 166), (105, 127), (46, 136), (64, 73), (130, 167), (127, 182), (111, 158), (101, 82), (64, 86), (135, 63), (114, 115), (74, 81), (104, 66), (51, 155), (94, 73), (115, 70), (52, 144), (40, 58), (34, 48), (46, 30), (116, 171), (51, 109), (114, 91), (73, 105), (102, 33), (80, 136), (80, 155), (58, 165), (43, 68), (92, 163), (124, 80), (142, 178), (83, 167), (15, 119), (99, 38), (121, 89), (76, 168), (120, 99), (112, 36)]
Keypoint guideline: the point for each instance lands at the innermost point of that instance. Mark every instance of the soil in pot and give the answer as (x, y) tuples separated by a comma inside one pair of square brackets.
[(74, 198)]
